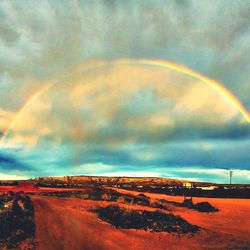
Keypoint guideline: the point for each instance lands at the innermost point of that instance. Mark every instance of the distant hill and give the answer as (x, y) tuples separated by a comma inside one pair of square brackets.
[(112, 180)]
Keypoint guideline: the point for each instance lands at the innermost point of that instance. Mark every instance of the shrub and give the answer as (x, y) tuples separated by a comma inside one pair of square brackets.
[(205, 207), (154, 221)]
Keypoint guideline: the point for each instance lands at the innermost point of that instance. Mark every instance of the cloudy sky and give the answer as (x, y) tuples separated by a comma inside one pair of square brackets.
[(76, 97)]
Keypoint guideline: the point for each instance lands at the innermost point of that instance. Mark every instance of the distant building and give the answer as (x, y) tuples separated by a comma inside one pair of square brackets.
[(208, 188), (187, 184)]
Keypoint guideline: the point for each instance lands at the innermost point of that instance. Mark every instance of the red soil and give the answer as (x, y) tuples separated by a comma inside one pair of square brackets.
[(31, 188), (65, 223), (25, 187)]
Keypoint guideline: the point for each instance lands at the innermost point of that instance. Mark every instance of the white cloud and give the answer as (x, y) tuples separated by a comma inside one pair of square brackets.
[(132, 174), (93, 168), (5, 119), (12, 177)]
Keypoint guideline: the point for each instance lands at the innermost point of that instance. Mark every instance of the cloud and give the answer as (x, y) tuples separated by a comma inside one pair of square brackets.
[(124, 118), (211, 175), (12, 177), (12, 167), (5, 119), (149, 105), (210, 37)]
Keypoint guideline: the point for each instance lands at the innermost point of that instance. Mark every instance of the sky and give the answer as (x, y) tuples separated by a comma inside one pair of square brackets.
[(76, 96)]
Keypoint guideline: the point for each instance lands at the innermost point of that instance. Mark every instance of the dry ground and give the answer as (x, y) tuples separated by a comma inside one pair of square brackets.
[(66, 223)]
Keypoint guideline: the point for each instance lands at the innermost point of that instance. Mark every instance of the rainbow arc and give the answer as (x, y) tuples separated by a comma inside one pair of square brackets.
[(220, 88)]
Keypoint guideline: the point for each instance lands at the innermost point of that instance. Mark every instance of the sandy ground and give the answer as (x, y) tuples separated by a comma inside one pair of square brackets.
[(66, 223)]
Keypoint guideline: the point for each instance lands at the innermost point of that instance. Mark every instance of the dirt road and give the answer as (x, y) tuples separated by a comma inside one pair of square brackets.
[(66, 224), (61, 228)]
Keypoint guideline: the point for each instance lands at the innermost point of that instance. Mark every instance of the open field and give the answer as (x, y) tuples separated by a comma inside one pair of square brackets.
[(67, 223), (65, 219)]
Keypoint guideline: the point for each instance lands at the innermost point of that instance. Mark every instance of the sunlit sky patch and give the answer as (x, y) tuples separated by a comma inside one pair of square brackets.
[(68, 106)]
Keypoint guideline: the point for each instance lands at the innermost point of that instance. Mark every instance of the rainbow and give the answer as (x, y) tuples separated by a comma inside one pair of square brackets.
[(218, 87), (213, 84), (22, 109)]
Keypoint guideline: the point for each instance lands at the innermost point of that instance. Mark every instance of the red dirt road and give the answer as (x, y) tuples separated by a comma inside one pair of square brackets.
[(65, 223), (58, 227)]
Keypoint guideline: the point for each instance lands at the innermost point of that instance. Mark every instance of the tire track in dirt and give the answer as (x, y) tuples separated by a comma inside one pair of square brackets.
[(60, 228)]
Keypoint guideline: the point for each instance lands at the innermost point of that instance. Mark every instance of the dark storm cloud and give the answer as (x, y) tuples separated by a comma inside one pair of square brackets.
[(232, 130), (11, 163), (201, 159), (222, 154)]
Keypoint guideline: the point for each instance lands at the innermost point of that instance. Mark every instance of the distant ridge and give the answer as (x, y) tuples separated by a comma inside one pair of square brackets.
[(113, 180)]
